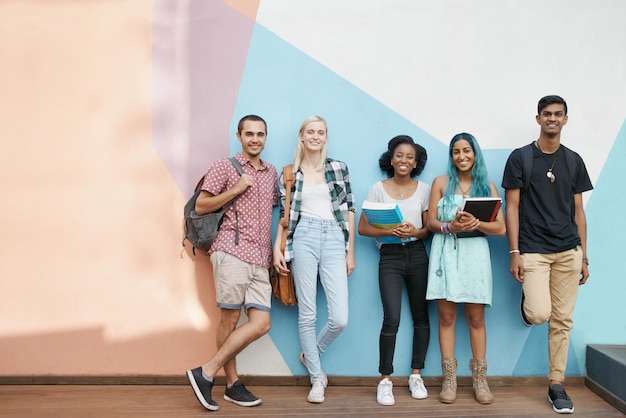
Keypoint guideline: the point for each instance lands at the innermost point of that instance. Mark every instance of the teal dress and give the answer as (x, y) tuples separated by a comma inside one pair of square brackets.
[(459, 269)]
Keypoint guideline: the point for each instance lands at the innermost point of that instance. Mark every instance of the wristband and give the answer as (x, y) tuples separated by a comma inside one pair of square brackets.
[(586, 260), (514, 251)]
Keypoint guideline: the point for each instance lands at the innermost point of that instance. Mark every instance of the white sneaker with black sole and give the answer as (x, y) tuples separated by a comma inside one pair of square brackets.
[(240, 395), (202, 389)]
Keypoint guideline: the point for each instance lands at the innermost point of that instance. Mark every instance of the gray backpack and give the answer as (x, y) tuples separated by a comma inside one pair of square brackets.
[(201, 230)]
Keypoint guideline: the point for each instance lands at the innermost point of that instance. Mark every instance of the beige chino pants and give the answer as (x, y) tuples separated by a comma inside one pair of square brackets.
[(550, 287)]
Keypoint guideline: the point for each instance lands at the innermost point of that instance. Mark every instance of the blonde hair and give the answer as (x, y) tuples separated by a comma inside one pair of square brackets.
[(299, 153)]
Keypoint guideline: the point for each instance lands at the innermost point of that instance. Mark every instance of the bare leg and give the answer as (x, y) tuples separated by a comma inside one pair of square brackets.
[(475, 314), (231, 341), (228, 322), (447, 320)]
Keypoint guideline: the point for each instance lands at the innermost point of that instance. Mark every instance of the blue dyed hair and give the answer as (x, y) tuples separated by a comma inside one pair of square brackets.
[(480, 180)]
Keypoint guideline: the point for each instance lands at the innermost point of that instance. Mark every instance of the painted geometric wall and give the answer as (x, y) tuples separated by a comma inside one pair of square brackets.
[(375, 70), (125, 118)]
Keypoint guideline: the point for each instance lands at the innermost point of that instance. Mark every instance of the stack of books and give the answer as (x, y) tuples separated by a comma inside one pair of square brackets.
[(385, 216)]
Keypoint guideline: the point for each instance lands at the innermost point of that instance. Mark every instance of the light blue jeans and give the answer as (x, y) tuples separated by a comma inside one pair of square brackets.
[(319, 247)]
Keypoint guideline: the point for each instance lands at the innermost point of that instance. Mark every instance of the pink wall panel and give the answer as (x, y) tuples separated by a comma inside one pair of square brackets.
[(92, 279)]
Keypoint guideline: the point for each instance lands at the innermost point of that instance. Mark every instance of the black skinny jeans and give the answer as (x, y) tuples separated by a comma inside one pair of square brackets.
[(403, 264)]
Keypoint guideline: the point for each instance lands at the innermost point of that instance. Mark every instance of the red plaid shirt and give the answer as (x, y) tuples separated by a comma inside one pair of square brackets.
[(254, 207)]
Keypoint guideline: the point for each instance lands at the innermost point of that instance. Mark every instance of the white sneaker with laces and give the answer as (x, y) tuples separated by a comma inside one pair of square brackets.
[(303, 361), (316, 394), (384, 393), (417, 388)]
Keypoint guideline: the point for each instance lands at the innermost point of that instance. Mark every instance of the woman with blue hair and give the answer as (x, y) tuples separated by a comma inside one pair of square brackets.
[(460, 262)]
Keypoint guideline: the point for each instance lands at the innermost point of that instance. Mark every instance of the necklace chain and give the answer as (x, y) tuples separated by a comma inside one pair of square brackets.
[(465, 192), (549, 174), (399, 187)]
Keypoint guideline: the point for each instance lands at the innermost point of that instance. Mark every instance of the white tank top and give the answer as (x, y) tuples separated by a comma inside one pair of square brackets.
[(316, 202)]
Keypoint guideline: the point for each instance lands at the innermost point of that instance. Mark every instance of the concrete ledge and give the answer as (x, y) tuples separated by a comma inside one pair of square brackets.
[(609, 397), (606, 373)]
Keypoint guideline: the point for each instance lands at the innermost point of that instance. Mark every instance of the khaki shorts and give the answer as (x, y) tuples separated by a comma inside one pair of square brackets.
[(238, 283)]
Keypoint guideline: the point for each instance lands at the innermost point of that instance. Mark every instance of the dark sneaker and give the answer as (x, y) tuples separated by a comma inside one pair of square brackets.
[(561, 403), (522, 313), (239, 395), (202, 388)]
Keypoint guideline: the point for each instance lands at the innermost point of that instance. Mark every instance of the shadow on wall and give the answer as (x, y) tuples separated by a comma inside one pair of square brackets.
[(147, 354)]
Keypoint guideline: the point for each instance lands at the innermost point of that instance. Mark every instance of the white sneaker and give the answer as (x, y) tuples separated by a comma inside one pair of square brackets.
[(417, 388), (303, 361), (316, 394), (384, 392)]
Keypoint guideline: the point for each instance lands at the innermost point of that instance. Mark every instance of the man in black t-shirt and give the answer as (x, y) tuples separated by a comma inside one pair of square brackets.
[(547, 233)]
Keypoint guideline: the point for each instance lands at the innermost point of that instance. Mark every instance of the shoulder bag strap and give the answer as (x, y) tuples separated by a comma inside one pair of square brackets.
[(289, 179)]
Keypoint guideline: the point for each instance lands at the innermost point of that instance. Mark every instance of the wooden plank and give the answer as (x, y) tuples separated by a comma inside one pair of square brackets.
[(99, 401), (263, 380)]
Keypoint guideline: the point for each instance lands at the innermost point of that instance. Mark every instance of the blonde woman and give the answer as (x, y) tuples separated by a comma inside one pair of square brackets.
[(320, 243)]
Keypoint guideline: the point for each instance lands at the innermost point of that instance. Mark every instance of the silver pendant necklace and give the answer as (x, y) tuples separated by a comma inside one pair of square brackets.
[(549, 174), (398, 188)]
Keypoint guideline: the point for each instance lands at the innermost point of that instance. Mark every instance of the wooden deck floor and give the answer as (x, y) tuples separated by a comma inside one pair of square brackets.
[(99, 401)]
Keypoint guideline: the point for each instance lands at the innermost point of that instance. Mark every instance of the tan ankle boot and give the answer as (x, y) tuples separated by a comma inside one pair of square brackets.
[(448, 384), (479, 380)]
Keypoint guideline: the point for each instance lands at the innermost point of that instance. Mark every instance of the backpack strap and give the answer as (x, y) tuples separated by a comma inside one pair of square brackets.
[(237, 165), (527, 169), (239, 169), (570, 162), (527, 165)]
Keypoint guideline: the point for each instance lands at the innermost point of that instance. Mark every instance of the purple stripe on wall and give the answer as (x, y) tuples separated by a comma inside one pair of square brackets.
[(199, 51)]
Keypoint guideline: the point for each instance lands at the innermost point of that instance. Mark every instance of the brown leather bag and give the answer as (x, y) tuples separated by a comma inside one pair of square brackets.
[(282, 284)]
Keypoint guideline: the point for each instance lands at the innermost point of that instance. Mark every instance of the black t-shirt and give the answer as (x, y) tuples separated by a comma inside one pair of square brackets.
[(547, 223)]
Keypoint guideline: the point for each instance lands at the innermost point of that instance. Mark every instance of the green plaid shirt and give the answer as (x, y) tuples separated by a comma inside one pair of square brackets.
[(342, 199)]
